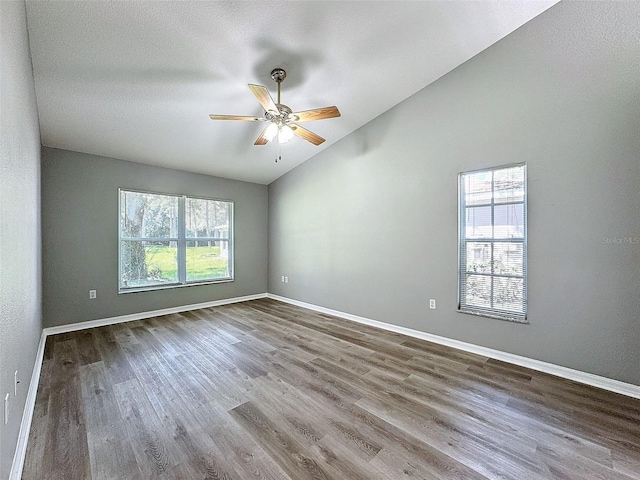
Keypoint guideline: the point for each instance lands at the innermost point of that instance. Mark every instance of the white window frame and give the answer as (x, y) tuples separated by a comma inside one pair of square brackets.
[(181, 241), (463, 305)]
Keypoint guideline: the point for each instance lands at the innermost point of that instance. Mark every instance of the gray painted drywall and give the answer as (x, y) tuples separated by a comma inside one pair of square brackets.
[(20, 270), (80, 236), (369, 226)]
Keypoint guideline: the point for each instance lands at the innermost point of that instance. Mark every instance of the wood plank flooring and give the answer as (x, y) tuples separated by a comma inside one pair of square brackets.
[(266, 390)]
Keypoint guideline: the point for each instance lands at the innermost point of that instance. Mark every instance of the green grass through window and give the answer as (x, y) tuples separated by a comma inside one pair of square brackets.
[(203, 262)]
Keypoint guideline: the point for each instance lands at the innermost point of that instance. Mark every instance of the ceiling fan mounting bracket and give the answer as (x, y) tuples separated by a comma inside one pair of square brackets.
[(278, 75)]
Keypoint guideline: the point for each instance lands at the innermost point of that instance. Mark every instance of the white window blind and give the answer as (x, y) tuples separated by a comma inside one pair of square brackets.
[(492, 240)]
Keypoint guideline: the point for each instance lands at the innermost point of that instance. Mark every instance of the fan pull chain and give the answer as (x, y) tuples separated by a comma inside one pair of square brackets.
[(278, 155)]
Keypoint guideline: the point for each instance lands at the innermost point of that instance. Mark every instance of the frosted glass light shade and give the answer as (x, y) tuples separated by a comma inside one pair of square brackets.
[(271, 131), (285, 134)]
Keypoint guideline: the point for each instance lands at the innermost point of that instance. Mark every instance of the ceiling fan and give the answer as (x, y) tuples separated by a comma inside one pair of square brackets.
[(283, 122)]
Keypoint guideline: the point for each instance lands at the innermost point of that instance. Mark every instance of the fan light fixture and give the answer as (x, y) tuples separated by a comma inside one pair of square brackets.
[(271, 131), (283, 122), (283, 132)]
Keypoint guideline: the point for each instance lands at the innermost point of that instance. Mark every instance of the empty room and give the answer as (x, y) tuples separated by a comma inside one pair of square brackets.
[(296, 240)]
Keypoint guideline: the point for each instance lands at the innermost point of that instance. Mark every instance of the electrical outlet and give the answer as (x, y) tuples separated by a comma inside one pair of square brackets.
[(282, 278), (6, 409), (15, 383), (432, 304), (286, 279), (92, 294)]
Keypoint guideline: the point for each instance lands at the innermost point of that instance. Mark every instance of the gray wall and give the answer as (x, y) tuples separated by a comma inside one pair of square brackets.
[(20, 272), (80, 236), (369, 226)]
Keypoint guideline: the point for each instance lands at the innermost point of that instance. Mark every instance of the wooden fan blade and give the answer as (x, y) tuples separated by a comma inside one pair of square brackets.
[(307, 135), (316, 114), (264, 97), (261, 140), (235, 117)]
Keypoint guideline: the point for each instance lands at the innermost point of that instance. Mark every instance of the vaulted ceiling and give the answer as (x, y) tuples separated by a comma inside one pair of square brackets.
[(137, 80)]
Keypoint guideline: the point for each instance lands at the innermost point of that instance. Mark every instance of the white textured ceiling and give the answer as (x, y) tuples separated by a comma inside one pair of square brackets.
[(137, 80)]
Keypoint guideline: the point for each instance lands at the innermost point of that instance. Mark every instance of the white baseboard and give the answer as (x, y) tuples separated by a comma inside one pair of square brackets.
[(101, 322), (605, 383), (27, 416)]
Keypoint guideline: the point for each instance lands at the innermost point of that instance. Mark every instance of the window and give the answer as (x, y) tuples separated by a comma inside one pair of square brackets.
[(492, 243), (173, 240)]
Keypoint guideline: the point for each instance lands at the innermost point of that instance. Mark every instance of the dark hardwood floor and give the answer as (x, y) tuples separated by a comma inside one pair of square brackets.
[(266, 390)]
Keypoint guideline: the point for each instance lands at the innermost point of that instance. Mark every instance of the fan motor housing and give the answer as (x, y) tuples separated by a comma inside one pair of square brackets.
[(284, 110)]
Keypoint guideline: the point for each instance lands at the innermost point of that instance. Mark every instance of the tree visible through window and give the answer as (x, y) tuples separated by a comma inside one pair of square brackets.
[(492, 242), (170, 240)]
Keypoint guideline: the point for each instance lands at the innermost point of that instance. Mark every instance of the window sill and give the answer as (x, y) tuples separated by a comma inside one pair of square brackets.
[(152, 288), (498, 316)]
